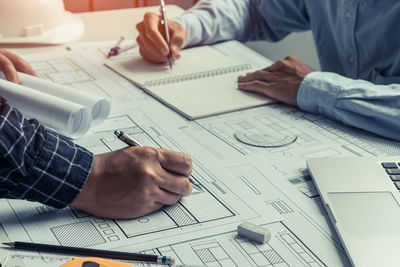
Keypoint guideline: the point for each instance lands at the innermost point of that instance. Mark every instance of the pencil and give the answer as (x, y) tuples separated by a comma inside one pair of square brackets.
[(91, 252)]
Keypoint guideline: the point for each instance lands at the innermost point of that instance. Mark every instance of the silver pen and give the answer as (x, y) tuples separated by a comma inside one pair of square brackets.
[(126, 139), (132, 142), (164, 21)]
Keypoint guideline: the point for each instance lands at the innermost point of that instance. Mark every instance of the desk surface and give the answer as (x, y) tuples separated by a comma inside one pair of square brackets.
[(229, 171)]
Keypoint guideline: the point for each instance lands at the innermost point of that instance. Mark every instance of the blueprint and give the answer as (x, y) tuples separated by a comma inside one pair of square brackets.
[(227, 249), (266, 186)]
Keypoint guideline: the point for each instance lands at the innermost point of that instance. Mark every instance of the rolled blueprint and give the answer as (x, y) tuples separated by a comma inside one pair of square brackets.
[(66, 117), (99, 106)]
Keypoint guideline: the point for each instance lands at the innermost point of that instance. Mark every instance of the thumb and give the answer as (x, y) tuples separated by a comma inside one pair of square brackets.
[(178, 37)]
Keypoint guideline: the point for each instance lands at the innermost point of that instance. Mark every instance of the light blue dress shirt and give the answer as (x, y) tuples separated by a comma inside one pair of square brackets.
[(358, 44)]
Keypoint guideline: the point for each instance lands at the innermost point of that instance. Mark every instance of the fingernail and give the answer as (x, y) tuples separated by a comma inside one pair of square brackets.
[(164, 51), (175, 48)]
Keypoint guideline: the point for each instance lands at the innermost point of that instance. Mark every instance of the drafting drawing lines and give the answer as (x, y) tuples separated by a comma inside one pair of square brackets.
[(280, 206), (289, 239), (3, 235), (252, 123), (369, 143), (66, 71), (182, 214), (85, 234), (213, 254), (260, 256)]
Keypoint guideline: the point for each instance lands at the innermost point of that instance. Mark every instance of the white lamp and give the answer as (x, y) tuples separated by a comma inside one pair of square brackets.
[(38, 22)]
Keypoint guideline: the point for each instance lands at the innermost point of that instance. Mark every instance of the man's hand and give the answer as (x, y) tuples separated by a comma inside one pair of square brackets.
[(11, 63), (135, 181), (280, 81), (153, 46)]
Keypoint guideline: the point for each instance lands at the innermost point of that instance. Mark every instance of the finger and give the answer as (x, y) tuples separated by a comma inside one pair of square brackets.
[(7, 67), (279, 65), (261, 75), (255, 87), (19, 64), (176, 162), (167, 198), (151, 29), (174, 183), (292, 58), (149, 56), (150, 48)]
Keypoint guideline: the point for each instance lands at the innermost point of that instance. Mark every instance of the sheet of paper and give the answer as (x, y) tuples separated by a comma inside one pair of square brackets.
[(268, 186)]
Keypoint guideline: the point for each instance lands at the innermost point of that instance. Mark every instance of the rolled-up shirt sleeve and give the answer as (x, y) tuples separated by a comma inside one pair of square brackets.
[(38, 164), (358, 103)]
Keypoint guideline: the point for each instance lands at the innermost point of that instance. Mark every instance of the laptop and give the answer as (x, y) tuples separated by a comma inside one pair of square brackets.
[(362, 199)]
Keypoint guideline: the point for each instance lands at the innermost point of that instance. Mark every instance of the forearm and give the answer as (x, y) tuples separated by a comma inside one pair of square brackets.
[(375, 108), (213, 21), (37, 164)]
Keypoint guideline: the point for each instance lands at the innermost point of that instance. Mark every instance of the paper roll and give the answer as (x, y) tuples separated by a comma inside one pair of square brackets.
[(99, 106), (68, 118)]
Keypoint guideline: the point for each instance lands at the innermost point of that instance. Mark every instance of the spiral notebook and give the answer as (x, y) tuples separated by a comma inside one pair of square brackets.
[(202, 83)]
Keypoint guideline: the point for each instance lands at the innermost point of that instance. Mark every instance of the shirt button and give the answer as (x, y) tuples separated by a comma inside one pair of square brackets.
[(351, 60), (348, 14)]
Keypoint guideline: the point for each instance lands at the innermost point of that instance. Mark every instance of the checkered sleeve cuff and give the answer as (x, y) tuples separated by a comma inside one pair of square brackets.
[(58, 175)]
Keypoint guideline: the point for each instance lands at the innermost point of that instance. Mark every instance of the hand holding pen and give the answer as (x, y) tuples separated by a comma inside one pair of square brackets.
[(133, 142), (151, 40)]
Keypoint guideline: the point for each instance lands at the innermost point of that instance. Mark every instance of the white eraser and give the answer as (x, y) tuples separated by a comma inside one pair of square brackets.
[(254, 232)]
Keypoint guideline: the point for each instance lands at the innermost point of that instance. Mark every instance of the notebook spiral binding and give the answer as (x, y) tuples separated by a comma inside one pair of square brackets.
[(197, 75)]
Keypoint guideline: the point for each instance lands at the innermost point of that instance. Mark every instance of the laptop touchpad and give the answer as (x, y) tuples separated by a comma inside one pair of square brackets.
[(366, 213)]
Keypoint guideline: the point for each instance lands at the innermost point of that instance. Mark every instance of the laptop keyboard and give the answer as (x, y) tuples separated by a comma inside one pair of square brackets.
[(393, 170)]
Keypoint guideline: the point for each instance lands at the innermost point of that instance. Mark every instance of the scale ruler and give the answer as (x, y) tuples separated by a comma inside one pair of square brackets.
[(32, 261)]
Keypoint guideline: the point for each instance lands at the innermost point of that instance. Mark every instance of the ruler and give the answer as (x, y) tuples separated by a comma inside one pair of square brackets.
[(32, 261)]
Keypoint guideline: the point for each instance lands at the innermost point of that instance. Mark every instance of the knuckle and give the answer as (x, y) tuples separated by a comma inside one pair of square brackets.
[(148, 16), (148, 173), (148, 152)]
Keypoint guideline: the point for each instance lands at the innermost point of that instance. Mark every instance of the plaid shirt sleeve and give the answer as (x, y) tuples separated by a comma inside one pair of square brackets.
[(37, 164)]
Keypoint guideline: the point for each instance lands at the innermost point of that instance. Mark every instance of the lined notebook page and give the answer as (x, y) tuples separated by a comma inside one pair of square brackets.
[(202, 83)]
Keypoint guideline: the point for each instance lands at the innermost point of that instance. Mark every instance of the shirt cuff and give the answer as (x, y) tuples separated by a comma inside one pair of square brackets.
[(59, 173), (318, 93), (192, 26)]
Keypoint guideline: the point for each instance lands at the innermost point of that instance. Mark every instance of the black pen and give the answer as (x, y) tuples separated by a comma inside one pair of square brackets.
[(164, 21), (132, 142), (91, 252)]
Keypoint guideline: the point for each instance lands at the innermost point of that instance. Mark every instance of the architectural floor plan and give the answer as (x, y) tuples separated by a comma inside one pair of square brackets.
[(267, 186)]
